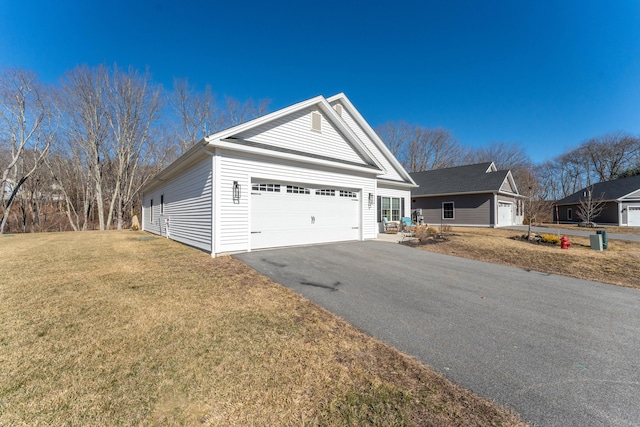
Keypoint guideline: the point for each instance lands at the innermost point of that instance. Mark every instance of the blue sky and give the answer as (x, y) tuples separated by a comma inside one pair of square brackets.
[(547, 75)]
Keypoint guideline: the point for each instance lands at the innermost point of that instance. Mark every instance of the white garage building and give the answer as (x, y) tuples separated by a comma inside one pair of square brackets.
[(313, 172)]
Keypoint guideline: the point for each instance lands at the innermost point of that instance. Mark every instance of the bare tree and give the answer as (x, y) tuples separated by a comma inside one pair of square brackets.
[(430, 149), (198, 114), (510, 156), (196, 111), (611, 154), (590, 205), (236, 112), (73, 182), (133, 105), (83, 100), (395, 135), (537, 202), (29, 124)]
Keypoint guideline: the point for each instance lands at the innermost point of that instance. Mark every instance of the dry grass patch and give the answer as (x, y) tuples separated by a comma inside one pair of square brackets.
[(610, 229), (615, 265), (103, 328)]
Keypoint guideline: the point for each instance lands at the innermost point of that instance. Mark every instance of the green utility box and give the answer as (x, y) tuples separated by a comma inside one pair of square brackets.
[(605, 239)]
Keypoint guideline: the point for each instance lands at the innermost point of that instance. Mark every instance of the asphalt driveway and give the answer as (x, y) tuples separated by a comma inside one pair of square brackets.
[(559, 351)]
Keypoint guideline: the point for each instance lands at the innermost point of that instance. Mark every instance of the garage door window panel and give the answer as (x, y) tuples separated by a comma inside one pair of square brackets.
[(292, 189), (274, 188)]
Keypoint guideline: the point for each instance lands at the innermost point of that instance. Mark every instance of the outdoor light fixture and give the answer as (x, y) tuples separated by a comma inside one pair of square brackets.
[(236, 192), (370, 199)]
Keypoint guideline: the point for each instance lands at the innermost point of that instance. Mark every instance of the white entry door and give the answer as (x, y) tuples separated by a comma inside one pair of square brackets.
[(505, 213), (633, 216), (289, 215)]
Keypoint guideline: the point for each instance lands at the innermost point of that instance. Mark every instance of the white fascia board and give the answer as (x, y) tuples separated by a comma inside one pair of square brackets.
[(392, 183), (263, 119), (232, 146), (515, 195), (621, 199), (492, 168), (348, 132), (372, 134), (512, 181)]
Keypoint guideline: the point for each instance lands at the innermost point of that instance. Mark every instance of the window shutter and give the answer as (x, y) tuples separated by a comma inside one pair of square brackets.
[(379, 206), (402, 207)]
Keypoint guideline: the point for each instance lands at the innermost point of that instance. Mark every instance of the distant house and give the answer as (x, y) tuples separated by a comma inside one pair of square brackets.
[(7, 188), (621, 198), (309, 173), (477, 195)]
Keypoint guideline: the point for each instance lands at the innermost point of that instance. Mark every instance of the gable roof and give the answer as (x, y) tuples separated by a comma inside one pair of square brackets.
[(239, 138), (468, 179), (232, 138), (609, 190), (373, 137)]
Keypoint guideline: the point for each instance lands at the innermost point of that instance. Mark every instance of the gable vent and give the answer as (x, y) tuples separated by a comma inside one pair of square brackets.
[(316, 121), (338, 108)]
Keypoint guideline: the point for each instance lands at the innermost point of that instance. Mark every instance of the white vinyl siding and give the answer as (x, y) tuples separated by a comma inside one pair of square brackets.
[(233, 225), (391, 172), (187, 206), (294, 132), (506, 186)]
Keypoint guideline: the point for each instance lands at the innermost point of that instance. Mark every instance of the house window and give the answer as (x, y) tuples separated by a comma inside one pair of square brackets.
[(351, 194), (325, 192), (390, 208), (297, 190), (569, 214), (162, 204), (266, 187), (151, 211), (448, 210)]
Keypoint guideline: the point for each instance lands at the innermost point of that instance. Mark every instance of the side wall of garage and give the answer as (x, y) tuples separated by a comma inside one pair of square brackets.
[(181, 207)]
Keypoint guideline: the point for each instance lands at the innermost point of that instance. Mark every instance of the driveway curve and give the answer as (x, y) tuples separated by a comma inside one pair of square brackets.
[(558, 351)]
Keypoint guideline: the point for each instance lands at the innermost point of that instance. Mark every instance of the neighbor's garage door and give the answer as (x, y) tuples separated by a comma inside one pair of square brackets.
[(288, 215), (505, 213), (634, 216)]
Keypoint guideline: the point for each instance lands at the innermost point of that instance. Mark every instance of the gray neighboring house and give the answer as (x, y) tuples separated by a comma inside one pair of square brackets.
[(476, 195), (621, 199)]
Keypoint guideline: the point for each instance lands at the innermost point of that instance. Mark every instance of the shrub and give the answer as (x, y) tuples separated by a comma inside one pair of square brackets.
[(550, 238)]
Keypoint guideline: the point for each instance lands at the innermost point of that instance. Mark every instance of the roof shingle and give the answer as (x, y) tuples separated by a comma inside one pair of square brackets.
[(460, 179), (609, 190)]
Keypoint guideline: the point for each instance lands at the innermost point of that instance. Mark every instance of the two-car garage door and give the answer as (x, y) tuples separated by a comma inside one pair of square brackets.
[(287, 215)]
